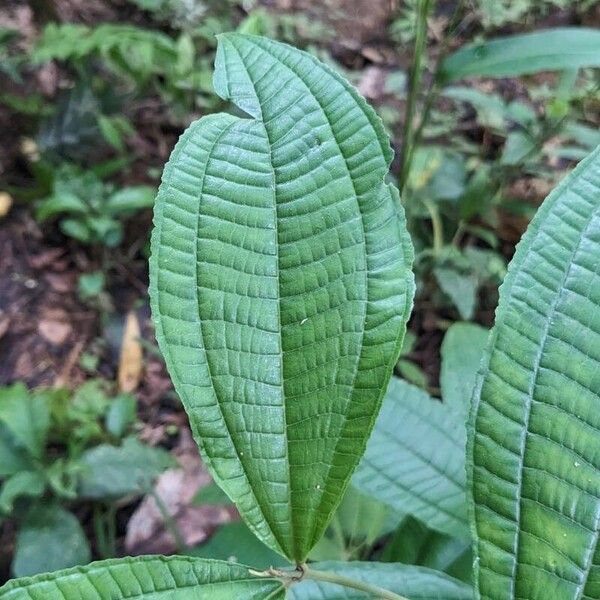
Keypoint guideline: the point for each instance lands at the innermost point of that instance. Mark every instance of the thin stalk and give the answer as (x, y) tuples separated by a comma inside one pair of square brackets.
[(435, 87), (436, 225), (373, 590), (414, 83), (99, 531), (302, 572), (110, 518), (170, 523)]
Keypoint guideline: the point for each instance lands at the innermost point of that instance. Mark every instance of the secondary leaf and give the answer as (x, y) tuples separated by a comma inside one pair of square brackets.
[(115, 471), (414, 543), (460, 288), (415, 459), (414, 583), (13, 458), (150, 578), (281, 285), (235, 542), (549, 50), (535, 432), (462, 349), (26, 416), (24, 483), (51, 538)]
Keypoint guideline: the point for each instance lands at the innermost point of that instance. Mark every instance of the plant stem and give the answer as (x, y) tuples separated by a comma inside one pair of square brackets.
[(302, 572), (436, 225), (414, 82), (434, 89), (373, 590), (170, 523), (99, 531)]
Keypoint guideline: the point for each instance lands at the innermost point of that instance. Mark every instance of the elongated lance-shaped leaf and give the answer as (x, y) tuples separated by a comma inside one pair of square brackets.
[(534, 439), (147, 578), (548, 50), (415, 459), (281, 285)]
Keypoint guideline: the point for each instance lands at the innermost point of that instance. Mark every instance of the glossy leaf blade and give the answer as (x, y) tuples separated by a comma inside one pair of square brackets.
[(549, 50), (415, 459), (150, 578), (281, 285), (409, 581), (535, 433)]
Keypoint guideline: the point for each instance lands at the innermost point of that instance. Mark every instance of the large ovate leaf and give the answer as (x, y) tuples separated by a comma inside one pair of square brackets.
[(281, 285), (150, 578), (535, 433), (549, 50), (415, 459), (413, 583)]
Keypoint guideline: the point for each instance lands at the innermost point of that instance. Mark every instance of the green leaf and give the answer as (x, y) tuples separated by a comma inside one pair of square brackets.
[(414, 583), (234, 542), (549, 50), (211, 494), (414, 543), (90, 285), (130, 199), (26, 415), (51, 538), (120, 415), (519, 146), (147, 577), (415, 459), (63, 203), (13, 458), (534, 447), (460, 288), (281, 285), (116, 471), (462, 349), (76, 229), (363, 519), (110, 132), (25, 483), (491, 108)]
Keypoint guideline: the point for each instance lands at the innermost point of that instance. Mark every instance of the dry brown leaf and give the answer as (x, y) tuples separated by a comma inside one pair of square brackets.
[(54, 331), (6, 202), (146, 530), (130, 361)]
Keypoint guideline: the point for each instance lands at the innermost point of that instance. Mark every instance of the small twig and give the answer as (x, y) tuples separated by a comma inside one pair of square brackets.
[(414, 82)]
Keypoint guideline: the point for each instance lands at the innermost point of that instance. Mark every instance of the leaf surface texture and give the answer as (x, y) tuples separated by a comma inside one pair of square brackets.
[(415, 459), (147, 578), (281, 285), (535, 432)]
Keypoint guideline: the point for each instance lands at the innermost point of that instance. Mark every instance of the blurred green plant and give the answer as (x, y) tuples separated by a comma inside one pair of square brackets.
[(57, 449), (90, 210)]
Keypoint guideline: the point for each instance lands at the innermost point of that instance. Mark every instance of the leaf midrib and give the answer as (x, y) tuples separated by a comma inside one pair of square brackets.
[(279, 337), (364, 245)]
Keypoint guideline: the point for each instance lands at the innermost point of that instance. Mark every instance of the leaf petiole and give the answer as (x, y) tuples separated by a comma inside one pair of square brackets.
[(303, 572)]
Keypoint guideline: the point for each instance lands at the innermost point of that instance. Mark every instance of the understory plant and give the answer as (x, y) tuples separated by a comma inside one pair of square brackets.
[(58, 449), (280, 287)]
